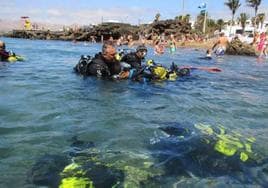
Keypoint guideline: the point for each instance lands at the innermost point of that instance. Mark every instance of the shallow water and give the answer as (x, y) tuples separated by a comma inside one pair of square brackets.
[(44, 104)]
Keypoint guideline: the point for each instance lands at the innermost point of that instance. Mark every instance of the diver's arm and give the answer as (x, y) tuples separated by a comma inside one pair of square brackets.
[(215, 44)]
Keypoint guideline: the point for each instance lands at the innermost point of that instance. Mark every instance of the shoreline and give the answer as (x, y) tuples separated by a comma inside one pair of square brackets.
[(247, 50)]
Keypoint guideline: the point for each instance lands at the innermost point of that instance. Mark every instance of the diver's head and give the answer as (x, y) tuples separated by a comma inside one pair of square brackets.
[(141, 51), (2, 45), (108, 51)]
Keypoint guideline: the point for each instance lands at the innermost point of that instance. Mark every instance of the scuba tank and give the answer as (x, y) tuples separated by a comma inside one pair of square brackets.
[(157, 70), (82, 65)]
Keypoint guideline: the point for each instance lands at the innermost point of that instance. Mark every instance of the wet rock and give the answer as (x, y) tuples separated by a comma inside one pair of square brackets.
[(190, 150), (176, 131), (102, 176), (236, 47), (81, 144), (46, 171)]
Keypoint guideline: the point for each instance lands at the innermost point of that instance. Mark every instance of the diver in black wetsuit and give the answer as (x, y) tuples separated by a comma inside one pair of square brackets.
[(103, 64), (134, 59), (4, 55)]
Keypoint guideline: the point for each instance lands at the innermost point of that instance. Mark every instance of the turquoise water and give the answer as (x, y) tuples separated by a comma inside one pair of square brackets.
[(44, 104)]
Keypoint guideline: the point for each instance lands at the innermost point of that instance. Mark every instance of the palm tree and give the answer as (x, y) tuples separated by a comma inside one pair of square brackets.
[(243, 19), (257, 21), (233, 6), (187, 18), (253, 21), (179, 18), (220, 24), (261, 18), (199, 21), (255, 4), (182, 18), (157, 17)]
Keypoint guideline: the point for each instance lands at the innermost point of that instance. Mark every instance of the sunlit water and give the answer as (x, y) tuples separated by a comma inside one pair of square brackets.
[(44, 104)]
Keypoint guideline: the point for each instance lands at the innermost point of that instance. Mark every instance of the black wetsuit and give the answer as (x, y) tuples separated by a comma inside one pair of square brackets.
[(99, 67), (133, 60), (4, 55)]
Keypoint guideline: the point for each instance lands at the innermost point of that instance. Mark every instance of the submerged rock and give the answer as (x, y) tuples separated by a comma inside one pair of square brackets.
[(90, 174), (204, 151), (46, 170), (81, 144)]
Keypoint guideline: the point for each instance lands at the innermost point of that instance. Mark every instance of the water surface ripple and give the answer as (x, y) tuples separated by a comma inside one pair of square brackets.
[(44, 104)]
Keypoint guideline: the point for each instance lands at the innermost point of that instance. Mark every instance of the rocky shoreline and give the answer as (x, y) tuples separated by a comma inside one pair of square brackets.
[(106, 30), (149, 32)]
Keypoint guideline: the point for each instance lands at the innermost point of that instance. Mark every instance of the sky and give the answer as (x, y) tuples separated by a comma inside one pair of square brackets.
[(84, 12)]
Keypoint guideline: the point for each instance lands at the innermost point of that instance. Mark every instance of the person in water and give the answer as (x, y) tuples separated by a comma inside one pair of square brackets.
[(262, 45), (4, 55), (134, 59), (172, 44), (102, 65), (159, 48), (221, 45)]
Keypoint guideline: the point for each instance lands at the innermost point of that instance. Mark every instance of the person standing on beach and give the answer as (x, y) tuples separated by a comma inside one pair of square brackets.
[(262, 45), (221, 45), (255, 38)]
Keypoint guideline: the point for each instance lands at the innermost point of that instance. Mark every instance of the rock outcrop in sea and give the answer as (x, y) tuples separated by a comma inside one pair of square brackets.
[(236, 47)]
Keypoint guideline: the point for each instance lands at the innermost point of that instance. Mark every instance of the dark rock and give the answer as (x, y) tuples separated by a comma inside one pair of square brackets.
[(167, 27), (236, 47), (107, 30), (46, 171), (176, 131), (81, 144), (103, 176)]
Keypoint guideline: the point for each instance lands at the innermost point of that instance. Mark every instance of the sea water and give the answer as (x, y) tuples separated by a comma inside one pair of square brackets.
[(44, 104)]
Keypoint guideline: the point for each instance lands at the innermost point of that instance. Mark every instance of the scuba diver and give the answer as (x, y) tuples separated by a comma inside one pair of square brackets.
[(8, 55), (152, 71), (134, 59), (4, 55), (102, 65), (107, 65)]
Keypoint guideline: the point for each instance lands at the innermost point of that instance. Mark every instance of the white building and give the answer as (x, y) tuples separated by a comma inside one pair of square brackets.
[(249, 29)]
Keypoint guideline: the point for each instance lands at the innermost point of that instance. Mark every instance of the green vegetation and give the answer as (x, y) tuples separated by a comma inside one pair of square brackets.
[(233, 6), (242, 20)]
